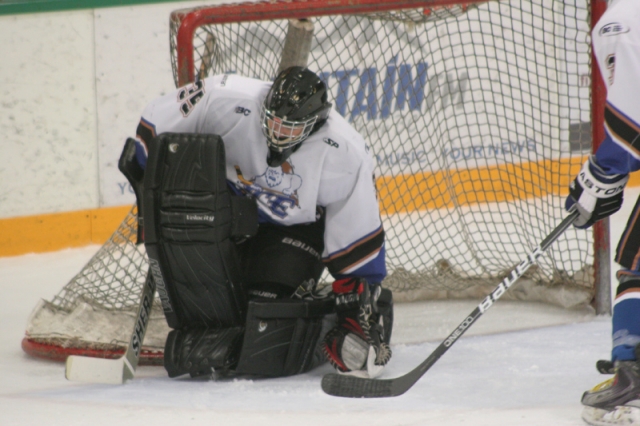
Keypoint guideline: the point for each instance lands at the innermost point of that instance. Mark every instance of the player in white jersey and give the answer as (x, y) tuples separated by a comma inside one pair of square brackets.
[(598, 192), (312, 176)]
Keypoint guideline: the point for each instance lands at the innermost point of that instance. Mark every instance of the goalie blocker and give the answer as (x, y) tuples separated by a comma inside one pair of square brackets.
[(225, 284)]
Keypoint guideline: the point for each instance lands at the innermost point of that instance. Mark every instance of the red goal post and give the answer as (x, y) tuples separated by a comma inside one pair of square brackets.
[(191, 19), (478, 117), (601, 236)]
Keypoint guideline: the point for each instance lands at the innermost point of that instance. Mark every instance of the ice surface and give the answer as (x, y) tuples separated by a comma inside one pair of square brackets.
[(529, 377), (520, 364)]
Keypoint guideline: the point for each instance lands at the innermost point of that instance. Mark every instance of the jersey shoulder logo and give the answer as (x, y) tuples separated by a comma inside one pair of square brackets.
[(331, 142), (189, 96), (612, 29)]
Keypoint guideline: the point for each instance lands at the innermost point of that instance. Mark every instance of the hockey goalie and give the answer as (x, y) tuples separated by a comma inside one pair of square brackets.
[(248, 190)]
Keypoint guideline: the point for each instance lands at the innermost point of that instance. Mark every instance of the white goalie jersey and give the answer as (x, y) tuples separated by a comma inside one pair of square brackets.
[(332, 170)]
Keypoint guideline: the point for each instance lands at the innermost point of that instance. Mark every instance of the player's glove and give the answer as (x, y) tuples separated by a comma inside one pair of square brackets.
[(595, 194), (357, 344)]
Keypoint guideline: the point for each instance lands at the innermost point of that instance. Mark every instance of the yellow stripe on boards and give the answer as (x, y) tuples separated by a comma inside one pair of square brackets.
[(398, 194), (55, 231), (504, 182)]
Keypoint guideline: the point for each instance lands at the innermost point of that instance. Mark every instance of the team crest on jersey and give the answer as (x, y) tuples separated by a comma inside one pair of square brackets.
[(276, 188), (613, 29), (242, 110), (189, 96)]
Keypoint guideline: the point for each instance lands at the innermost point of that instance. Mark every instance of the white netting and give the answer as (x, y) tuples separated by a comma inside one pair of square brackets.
[(477, 116)]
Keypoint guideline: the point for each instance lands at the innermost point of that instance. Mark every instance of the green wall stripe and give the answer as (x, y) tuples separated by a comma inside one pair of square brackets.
[(13, 7)]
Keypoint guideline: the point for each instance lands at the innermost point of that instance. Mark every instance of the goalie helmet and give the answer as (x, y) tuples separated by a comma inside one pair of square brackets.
[(294, 108)]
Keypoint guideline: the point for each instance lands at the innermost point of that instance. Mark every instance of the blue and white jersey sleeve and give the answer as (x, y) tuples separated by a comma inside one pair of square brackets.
[(616, 44), (354, 235)]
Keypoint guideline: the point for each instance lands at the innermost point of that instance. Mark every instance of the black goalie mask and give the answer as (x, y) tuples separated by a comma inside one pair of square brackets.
[(294, 108)]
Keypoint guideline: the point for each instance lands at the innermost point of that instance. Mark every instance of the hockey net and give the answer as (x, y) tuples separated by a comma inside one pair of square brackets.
[(478, 117)]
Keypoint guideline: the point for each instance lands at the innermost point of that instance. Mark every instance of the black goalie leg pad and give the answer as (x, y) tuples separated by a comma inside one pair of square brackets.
[(200, 352), (188, 211), (281, 336)]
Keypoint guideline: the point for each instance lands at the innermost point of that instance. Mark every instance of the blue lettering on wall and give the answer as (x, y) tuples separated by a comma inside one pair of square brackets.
[(365, 100), (125, 187), (489, 151), (401, 158), (408, 88), (403, 84)]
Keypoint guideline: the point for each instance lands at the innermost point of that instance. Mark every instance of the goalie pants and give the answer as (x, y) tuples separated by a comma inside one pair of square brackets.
[(281, 258), (281, 334)]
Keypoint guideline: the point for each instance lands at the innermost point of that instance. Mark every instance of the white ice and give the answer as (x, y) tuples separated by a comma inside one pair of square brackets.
[(520, 364)]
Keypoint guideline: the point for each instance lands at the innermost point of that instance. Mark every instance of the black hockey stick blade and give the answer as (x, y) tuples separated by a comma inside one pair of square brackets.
[(358, 387)]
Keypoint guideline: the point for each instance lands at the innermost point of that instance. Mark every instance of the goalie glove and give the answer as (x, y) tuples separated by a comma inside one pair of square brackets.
[(595, 194), (357, 344)]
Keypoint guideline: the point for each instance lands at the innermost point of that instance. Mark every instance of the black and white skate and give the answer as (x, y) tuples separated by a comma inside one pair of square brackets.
[(620, 389), (604, 366)]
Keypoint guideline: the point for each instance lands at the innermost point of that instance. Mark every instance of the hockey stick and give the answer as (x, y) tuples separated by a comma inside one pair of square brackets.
[(357, 387), (116, 371)]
